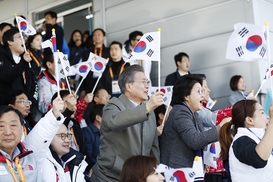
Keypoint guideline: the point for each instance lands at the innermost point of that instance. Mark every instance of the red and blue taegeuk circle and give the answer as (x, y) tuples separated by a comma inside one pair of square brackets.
[(83, 68), (253, 43), (140, 47), (180, 176), (23, 25), (98, 66), (212, 148)]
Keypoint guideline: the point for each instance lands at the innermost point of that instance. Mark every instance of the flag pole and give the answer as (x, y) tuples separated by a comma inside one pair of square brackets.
[(159, 31), (79, 86), (268, 55), (68, 85), (57, 73), (167, 110), (96, 84), (21, 35)]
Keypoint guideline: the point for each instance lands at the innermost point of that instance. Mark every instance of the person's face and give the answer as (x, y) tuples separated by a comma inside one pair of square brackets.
[(77, 37), (260, 118), (85, 37), (241, 85), (10, 131), (194, 100), (51, 67), (36, 44), (115, 52), (6, 28), (16, 46), (60, 143), (184, 64), (102, 97), (49, 20), (207, 91), (139, 88), (98, 37), (155, 177), (135, 41), (22, 104)]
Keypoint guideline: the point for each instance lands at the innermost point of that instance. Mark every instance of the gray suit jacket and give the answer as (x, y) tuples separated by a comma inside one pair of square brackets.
[(182, 136), (126, 130), (236, 96)]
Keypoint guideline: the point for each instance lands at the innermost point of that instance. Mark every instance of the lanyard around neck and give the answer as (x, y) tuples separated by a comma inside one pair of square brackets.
[(19, 168), (95, 51), (111, 71)]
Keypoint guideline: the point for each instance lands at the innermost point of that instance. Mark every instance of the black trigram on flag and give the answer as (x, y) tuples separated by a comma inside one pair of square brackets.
[(149, 38), (171, 179), (130, 56), (150, 52), (239, 51), (59, 61), (169, 89), (243, 32), (262, 52), (62, 72)]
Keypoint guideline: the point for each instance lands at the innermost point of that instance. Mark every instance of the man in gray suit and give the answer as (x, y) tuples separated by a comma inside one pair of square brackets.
[(128, 126)]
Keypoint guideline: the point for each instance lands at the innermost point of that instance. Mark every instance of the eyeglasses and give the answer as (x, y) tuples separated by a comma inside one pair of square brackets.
[(24, 102), (201, 91), (144, 82), (64, 135)]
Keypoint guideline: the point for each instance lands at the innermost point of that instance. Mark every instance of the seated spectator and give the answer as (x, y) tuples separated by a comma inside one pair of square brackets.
[(77, 141), (238, 86), (12, 151), (140, 168), (91, 135), (18, 100), (50, 142), (182, 62)]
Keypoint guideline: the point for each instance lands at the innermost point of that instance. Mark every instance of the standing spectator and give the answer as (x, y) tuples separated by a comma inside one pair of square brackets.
[(246, 142), (182, 62), (98, 48), (238, 86), (34, 46), (3, 28), (114, 68), (47, 83), (140, 168), (14, 68), (183, 135), (51, 22), (128, 126), (76, 51), (50, 142), (129, 46)]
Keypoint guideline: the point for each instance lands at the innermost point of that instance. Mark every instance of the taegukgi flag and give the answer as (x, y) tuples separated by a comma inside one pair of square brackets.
[(247, 43), (167, 90), (25, 26), (98, 63), (147, 47)]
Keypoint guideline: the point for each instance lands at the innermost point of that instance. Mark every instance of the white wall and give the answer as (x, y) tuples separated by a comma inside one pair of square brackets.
[(199, 28)]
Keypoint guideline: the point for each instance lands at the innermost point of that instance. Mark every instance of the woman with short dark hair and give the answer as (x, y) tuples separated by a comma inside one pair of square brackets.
[(237, 85), (140, 169)]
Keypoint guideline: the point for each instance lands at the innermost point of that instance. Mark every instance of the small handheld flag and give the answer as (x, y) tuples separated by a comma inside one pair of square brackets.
[(147, 47), (53, 40), (25, 26), (247, 43)]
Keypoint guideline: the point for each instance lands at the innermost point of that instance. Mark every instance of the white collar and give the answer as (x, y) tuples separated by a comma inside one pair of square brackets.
[(17, 59)]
